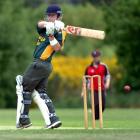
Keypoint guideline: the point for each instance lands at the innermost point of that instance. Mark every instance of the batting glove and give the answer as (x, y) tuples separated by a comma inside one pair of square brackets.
[(49, 28), (59, 25)]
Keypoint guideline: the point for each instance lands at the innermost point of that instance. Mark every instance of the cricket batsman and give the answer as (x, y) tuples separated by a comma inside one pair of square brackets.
[(33, 82), (98, 68)]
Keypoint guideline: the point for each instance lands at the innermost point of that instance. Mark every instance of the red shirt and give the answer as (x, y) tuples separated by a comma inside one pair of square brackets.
[(100, 69)]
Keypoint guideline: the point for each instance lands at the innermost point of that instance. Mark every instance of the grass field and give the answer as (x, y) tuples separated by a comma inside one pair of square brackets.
[(119, 124)]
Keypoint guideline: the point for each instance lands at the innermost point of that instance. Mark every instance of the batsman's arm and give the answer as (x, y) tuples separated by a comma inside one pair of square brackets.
[(54, 43), (41, 24), (78, 31)]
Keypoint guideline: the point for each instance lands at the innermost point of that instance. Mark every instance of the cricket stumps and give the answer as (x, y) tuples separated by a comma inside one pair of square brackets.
[(91, 80)]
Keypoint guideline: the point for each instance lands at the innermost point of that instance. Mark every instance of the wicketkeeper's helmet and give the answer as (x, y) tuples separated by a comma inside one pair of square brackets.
[(54, 9)]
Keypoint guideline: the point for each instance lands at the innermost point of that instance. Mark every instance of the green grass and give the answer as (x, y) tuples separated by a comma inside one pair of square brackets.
[(119, 124)]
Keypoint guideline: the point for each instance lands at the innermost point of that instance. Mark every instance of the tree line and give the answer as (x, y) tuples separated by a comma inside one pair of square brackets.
[(18, 36)]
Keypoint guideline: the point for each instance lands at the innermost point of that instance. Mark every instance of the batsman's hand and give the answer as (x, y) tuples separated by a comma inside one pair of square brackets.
[(50, 28), (59, 25)]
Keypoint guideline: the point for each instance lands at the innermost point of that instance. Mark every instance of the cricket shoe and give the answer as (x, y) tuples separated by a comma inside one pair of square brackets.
[(55, 123), (24, 123)]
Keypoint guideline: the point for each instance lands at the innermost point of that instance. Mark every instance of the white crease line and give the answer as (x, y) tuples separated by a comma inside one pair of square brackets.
[(64, 128)]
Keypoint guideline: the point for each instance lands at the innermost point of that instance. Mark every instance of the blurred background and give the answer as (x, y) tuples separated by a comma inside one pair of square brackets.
[(120, 50)]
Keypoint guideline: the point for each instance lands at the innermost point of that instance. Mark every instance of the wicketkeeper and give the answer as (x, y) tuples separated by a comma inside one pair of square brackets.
[(33, 82), (98, 68)]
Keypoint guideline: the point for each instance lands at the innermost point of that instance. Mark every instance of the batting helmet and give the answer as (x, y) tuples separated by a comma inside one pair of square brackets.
[(54, 9)]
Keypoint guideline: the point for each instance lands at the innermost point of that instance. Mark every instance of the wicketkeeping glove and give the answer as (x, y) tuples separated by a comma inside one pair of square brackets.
[(59, 25), (49, 28)]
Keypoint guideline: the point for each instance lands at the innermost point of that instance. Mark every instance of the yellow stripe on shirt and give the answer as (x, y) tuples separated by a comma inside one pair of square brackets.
[(47, 52), (49, 49), (64, 34)]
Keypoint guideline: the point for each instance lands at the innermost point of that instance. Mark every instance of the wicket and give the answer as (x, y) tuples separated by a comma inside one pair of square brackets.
[(91, 78)]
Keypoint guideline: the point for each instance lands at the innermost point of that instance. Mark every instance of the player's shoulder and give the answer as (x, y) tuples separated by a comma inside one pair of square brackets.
[(89, 67), (104, 65)]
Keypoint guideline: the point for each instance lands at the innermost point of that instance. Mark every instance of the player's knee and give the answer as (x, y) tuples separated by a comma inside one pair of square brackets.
[(48, 102), (29, 84)]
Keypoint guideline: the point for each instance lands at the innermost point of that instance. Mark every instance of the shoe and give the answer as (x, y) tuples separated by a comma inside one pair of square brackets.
[(24, 123), (23, 126), (55, 123)]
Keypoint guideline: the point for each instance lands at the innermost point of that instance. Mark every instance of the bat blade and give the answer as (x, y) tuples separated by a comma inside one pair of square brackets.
[(98, 34)]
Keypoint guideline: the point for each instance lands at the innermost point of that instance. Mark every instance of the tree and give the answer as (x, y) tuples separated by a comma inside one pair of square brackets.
[(123, 30), (14, 44)]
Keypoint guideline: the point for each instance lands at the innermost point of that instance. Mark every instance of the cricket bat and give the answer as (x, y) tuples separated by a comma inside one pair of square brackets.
[(78, 31)]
